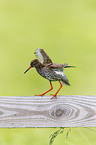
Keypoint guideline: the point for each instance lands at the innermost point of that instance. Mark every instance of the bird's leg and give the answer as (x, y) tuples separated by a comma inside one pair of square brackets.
[(55, 95), (46, 91)]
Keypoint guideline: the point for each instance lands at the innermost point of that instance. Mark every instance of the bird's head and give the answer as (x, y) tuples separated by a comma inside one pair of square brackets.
[(33, 63)]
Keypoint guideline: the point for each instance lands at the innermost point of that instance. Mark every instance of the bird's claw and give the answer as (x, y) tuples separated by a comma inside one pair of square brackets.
[(54, 95), (40, 95)]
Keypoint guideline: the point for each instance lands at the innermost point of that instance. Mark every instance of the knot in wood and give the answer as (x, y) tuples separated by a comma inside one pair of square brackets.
[(60, 112)]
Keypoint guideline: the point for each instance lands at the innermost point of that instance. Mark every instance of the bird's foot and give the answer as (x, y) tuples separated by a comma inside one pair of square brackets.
[(55, 95), (40, 95)]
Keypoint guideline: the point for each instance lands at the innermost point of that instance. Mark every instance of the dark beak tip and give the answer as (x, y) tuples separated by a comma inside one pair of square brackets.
[(24, 72), (27, 69)]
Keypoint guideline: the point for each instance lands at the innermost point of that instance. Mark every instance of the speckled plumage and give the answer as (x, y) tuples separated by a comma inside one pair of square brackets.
[(50, 73), (49, 70)]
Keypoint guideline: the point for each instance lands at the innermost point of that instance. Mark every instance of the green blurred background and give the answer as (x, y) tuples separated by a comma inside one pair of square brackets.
[(66, 30)]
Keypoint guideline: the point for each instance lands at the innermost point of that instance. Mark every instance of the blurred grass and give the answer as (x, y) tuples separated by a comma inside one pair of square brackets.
[(66, 30)]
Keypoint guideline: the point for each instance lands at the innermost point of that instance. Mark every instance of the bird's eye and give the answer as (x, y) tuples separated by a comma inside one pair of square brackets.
[(33, 63)]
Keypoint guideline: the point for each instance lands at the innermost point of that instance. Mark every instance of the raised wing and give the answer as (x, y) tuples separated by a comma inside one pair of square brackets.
[(42, 56)]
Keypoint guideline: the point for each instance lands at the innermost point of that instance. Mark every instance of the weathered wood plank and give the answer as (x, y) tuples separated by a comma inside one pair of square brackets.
[(33, 111)]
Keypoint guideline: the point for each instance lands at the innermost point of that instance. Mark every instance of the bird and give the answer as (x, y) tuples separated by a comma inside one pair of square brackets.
[(49, 70)]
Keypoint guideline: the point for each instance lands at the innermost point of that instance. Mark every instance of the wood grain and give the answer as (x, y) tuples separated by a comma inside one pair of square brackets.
[(36, 111)]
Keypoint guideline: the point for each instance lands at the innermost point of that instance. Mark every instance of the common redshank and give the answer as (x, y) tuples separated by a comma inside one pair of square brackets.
[(49, 70)]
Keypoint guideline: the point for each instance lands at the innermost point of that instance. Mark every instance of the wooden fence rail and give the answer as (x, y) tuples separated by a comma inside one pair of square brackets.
[(36, 111)]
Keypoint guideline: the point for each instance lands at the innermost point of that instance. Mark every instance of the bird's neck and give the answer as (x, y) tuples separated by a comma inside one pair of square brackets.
[(39, 65)]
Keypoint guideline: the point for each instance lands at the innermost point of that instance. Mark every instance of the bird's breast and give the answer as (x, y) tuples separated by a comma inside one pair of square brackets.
[(46, 73), (41, 71)]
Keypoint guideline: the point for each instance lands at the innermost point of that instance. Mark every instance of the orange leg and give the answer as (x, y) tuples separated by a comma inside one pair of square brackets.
[(55, 95), (46, 91)]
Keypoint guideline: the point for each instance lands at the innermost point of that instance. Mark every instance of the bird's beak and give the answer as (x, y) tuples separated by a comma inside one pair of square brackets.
[(27, 69)]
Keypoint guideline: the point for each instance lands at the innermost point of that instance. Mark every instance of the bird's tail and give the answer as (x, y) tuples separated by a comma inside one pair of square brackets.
[(67, 66)]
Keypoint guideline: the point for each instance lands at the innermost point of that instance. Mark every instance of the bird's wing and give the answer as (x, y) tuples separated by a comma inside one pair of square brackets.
[(59, 66), (59, 72), (42, 56), (56, 65)]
